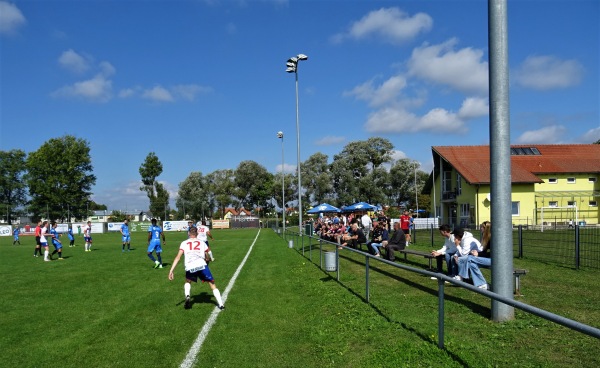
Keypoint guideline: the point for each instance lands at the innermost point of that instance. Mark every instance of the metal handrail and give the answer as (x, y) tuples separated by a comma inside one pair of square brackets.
[(569, 323)]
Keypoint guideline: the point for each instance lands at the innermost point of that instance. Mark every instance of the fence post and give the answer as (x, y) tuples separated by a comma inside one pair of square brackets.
[(367, 278), (440, 313), (431, 234), (577, 250), (520, 241)]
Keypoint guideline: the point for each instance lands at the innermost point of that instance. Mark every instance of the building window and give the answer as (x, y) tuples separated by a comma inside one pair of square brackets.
[(592, 180), (553, 204), (458, 184), (447, 184), (516, 208), (571, 203), (552, 180), (570, 180), (464, 210), (593, 204)]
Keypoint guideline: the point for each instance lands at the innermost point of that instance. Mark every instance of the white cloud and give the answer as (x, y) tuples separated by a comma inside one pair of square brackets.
[(387, 92), (548, 72), (127, 92), (330, 140), (158, 93), (287, 168), (189, 91), (473, 107), (389, 24), (591, 136), (11, 18), (398, 155), (399, 120), (74, 62), (463, 70), (547, 135), (98, 89)]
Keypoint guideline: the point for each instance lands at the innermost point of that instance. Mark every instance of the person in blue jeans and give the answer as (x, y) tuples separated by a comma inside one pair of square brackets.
[(478, 259), (446, 252)]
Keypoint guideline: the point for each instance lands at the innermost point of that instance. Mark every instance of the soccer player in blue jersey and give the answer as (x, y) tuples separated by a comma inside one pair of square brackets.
[(16, 232), (125, 235), (155, 233), (57, 243), (190, 225), (71, 237)]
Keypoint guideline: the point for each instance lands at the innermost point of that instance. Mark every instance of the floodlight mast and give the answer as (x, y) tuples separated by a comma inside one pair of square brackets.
[(292, 67), (280, 136)]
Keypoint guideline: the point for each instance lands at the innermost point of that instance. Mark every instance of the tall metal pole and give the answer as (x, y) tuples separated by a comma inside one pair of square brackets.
[(298, 152), (500, 172), (280, 135)]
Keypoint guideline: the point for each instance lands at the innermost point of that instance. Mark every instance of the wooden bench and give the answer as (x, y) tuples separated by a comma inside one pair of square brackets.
[(427, 255)]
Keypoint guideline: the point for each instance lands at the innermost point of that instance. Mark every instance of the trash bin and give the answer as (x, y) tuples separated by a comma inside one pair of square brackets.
[(308, 228), (581, 223), (291, 244), (330, 261)]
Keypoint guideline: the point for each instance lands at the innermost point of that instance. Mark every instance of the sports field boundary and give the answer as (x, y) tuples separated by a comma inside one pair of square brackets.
[(190, 358)]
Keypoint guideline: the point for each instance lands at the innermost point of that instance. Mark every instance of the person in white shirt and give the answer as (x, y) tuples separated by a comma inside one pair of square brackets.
[(446, 252), (87, 236), (465, 243), (367, 224), (44, 241), (204, 234), (196, 261)]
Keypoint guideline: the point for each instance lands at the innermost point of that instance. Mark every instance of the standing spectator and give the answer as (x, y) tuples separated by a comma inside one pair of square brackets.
[(44, 241), (571, 224), (38, 234), (382, 219), (196, 266), (367, 224), (396, 242), (125, 236), (446, 252), (16, 232), (56, 242), (71, 237), (87, 236), (405, 226), (155, 233)]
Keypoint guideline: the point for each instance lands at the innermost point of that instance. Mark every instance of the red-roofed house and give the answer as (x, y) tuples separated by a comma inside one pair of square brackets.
[(557, 182)]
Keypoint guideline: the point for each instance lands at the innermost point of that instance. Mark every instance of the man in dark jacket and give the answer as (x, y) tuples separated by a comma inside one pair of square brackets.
[(396, 242)]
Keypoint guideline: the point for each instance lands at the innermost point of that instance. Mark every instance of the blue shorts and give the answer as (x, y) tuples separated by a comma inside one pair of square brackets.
[(88, 239), (126, 238), (154, 246), (204, 275), (57, 245)]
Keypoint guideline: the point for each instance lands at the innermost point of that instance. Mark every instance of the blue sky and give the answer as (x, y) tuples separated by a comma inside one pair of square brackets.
[(203, 83)]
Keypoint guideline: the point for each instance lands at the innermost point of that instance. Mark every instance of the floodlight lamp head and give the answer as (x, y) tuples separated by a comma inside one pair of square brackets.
[(291, 70), (302, 57), (293, 60), (290, 64), (279, 134)]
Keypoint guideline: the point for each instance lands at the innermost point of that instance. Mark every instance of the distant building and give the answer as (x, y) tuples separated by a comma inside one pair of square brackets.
[(556, 182)]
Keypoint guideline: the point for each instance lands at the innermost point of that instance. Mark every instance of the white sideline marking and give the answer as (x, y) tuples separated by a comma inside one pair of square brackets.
[(190, 358)]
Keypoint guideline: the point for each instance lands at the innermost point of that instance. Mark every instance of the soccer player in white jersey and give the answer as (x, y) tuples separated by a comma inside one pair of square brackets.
[(203, 234), (87, 236), (196, 258)]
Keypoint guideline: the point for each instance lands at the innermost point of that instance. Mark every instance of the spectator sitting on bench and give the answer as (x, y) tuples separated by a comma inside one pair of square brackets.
[(446, 252), (396, 242), (355, 236), (478, 259), (379, 238), (465, 243)]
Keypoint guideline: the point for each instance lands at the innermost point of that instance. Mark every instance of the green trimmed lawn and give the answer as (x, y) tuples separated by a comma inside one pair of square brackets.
[(106, 308)]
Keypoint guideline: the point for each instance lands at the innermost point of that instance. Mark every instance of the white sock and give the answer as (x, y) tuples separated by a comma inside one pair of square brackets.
[(46, 254), (217, 295), (210, 255), (187, 289)]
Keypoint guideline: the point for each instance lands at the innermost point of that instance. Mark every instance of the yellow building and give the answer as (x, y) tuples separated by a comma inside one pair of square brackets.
[(550, 184)]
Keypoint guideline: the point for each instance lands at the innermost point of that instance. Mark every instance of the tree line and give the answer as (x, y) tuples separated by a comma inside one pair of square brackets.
[(56, 181), (363, 171)]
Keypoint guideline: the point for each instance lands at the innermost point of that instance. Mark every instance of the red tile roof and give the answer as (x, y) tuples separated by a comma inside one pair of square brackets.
[(473, 162)]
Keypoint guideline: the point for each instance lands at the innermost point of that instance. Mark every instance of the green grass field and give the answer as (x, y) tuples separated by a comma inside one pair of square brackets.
[(106, 308)]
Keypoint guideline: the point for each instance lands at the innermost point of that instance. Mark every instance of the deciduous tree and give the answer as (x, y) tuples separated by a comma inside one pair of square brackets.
[(60, 178), (150, 170), (12, 183)]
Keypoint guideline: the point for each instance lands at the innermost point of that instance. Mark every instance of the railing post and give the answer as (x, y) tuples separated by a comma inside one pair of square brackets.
[(337, 263), (577, 249), (367, 278), (431, 234), (320, 254), (520, 241), (440, 313)]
